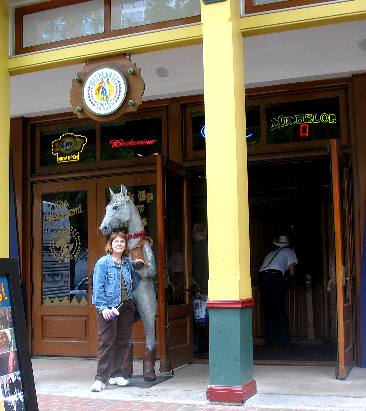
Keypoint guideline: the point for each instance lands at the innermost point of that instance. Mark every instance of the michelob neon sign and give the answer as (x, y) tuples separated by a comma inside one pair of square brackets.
[(68, 147), (282, 121)]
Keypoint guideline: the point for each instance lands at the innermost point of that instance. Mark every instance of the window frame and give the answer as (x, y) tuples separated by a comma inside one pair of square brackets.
[(70, 122), (20, 12), (251, 8), (261, 99)]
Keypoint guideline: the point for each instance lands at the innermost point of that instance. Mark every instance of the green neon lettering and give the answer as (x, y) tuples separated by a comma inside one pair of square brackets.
[(324, 118), (332, 118), (275, 123)]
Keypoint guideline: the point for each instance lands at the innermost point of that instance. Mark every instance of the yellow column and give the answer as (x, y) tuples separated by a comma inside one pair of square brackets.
[(226, 153), (4, 131), (230, 303)]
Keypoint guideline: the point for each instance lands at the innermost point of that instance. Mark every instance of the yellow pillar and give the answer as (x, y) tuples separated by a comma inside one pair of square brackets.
[(226, 153), (230, 303), (4, 131)]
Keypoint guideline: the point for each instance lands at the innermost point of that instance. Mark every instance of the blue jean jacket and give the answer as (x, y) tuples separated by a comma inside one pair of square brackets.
[(107, 282)]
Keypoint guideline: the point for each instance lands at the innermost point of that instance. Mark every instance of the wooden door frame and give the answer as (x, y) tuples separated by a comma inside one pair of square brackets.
[(181, 354), (343, 366), (162, 305)]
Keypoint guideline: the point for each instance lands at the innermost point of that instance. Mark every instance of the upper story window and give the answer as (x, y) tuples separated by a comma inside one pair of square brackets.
[(63, 23), (57, 23), (126, 14), (258, 6)]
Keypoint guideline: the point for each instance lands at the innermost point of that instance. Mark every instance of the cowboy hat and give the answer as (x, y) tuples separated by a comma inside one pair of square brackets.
[(282, 241)]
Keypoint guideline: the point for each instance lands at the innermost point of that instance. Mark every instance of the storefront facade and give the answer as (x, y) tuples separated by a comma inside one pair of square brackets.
[(302, 155)]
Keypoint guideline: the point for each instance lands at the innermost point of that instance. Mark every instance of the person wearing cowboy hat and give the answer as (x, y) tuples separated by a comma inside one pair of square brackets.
[(273, 291)]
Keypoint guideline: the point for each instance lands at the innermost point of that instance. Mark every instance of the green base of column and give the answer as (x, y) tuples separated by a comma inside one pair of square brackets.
[(231, 351)]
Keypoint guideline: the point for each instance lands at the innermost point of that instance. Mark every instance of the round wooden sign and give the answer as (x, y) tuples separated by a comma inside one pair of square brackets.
[(107, 88)]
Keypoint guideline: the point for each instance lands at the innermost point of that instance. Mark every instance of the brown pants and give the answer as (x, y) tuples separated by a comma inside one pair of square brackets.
[(114, 337)]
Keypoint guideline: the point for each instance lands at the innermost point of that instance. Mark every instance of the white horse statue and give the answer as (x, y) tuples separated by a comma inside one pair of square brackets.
[(120, 211)]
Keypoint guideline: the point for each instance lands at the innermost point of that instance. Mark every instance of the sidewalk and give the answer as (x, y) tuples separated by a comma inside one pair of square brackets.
[(63, 384)]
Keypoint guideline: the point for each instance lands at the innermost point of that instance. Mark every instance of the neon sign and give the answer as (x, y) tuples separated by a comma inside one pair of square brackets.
[(131, 143), (203, 133), (304, 130), (308, 118), (68, 147)]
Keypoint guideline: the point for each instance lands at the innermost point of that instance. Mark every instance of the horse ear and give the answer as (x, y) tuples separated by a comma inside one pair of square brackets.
[(123, 190), (111, 193)]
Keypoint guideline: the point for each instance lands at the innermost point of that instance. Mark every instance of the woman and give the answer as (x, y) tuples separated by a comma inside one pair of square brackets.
[(113, 282)]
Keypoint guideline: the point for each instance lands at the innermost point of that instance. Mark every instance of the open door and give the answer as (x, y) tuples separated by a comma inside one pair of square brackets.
[(178, 275), (343, 235)]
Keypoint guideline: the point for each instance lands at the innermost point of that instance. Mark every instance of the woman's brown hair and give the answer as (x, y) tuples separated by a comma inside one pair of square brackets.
[(113, 236)]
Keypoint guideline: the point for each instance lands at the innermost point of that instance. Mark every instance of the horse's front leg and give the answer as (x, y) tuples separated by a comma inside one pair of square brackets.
[(146, 305)]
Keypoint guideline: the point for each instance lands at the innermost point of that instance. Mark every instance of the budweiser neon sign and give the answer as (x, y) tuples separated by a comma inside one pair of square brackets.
[(131, 143)]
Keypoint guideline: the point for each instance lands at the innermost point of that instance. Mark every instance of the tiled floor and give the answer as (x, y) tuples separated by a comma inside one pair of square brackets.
[(63, 384)]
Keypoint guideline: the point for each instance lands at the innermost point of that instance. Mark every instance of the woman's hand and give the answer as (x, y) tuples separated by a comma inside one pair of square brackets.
[(107, 314)]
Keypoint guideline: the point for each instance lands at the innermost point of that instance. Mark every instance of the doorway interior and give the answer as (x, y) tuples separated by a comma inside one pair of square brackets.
[(292, 198)]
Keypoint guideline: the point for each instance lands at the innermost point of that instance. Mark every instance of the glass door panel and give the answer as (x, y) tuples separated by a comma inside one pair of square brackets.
[(65, 248)]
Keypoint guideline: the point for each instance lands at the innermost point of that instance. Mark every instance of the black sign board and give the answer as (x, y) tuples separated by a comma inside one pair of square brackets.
[(17, 391)]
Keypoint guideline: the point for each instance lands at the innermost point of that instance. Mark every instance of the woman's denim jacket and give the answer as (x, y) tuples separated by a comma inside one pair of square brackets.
[(107, 282)]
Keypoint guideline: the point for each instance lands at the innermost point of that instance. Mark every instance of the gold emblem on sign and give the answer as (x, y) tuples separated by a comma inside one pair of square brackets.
[(65, 245)]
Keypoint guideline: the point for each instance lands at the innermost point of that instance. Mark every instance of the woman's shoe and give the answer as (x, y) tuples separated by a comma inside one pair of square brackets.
[(97, 386), (118, 381)]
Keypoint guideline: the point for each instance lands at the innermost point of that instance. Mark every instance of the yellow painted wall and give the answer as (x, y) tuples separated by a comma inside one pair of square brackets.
[(226, 156), (4, 131)]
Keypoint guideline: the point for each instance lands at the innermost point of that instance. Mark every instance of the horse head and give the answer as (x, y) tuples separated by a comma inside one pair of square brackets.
[(117, 212)]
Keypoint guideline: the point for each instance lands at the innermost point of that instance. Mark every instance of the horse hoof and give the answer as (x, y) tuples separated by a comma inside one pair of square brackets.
[(138, 264)]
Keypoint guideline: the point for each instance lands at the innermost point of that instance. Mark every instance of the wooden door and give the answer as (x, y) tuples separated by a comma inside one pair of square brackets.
[(343, 233), (64, 229), (178, 274)]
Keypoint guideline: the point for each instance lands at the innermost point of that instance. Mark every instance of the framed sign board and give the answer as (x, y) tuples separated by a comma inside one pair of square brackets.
[(17, 390), (107, 88)]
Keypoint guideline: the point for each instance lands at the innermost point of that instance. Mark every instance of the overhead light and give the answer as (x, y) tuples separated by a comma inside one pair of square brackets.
[(162, 72), (362, 44)]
